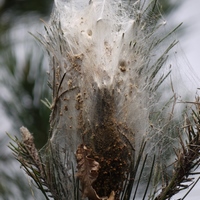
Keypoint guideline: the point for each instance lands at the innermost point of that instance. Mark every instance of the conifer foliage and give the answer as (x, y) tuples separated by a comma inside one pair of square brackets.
[(111, 136)]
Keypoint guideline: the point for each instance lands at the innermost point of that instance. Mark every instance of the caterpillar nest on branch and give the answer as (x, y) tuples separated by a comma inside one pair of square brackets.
[(107, 63)]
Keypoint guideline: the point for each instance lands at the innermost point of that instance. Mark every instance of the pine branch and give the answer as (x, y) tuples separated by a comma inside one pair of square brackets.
[(104, 75), (27, 154), (187, 157)]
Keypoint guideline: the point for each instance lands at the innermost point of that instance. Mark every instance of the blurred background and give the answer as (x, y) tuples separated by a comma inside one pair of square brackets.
[(23, 83), (23, 79)]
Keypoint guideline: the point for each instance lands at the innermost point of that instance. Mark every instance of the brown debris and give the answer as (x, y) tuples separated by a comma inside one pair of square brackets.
[(87, 172)]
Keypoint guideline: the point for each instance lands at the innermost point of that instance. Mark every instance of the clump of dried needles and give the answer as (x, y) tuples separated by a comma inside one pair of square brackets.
[(111, 136)]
